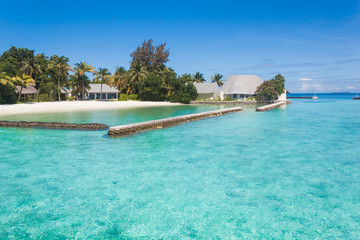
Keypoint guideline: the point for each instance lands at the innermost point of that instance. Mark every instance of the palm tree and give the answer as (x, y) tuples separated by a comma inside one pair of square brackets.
[(102, 76), (137, 73), (80, 69), (30, 67), (61, 68), (119, 78), (217, 78), (6, 80), (198, 77), (23, 81), (78, 83)]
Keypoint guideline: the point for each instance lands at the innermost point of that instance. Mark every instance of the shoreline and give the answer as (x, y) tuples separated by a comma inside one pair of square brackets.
[(75, 106)]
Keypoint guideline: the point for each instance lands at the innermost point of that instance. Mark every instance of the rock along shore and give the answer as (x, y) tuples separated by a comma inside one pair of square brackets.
[(128, 129), (54, 125)]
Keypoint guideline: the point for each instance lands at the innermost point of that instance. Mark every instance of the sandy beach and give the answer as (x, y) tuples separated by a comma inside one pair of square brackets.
[(68, 106)]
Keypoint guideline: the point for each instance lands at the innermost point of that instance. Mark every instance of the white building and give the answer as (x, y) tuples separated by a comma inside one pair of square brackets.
[(108, 93), (207, 90), (240, 86)]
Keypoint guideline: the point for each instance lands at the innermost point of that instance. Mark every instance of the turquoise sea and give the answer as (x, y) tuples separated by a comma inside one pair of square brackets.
[(289, 173)]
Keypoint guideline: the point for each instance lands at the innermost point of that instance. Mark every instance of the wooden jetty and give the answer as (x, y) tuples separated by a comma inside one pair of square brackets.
[(133, 128)]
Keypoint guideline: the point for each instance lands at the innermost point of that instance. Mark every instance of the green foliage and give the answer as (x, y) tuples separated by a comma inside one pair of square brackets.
[(184, 93), (150, 56), (7, 94), (11, 60), (59, 69), (152, 89), (41, 98), (279, 83), (186, 77), (217, 78), (198, 78), (270, 90), (125, 97), (266, 92)]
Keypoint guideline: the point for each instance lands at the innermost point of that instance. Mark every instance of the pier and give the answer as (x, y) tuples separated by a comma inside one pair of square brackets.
[(305, 97), (270, 106), (133, 128), (224, 102), (54, 125)]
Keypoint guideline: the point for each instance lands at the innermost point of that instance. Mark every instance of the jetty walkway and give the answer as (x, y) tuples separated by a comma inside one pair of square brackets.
[(166, 122)]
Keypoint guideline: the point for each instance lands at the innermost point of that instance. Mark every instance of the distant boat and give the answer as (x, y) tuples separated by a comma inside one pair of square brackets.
[(356, 97)]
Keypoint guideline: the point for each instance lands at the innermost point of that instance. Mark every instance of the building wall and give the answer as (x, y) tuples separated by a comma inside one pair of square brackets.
[(238, 96), (282, 97), (105, 96), (206, 96)]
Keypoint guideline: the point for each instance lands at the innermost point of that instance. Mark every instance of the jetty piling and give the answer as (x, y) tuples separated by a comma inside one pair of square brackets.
[(133, 128)]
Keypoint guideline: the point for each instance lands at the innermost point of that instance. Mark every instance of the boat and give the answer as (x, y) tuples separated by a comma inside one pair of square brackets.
[(356, 97)]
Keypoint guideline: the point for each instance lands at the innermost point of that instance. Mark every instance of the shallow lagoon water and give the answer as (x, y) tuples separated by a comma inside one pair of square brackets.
[(288, 173)]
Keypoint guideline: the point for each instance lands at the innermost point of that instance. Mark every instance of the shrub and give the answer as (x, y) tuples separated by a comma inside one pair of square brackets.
[(125, 97), (41, 98), (266, 92)]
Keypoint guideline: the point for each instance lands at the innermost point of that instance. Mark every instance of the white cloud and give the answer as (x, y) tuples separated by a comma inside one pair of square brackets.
[(337, 89), (305, 79), (351, 87), (315, 86)]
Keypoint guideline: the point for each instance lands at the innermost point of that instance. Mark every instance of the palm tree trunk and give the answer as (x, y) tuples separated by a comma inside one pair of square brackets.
[(21, 88), (59, 91), (83, 89), (100, 90)]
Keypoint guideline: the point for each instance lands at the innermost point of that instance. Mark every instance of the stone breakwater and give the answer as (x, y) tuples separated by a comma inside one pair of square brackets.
[(54, 125), (270, 106), (166, 122)]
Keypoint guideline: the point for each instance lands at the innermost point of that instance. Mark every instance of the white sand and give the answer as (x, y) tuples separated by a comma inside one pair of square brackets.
[(68, 106)]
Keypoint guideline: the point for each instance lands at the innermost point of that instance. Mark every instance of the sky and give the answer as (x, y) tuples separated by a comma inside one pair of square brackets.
[(314, 44)]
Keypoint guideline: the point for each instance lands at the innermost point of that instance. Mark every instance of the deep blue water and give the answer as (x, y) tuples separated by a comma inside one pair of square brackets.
[(289, 173)]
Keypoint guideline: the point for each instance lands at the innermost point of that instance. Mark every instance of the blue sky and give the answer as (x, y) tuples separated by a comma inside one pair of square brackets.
[(314, 44)]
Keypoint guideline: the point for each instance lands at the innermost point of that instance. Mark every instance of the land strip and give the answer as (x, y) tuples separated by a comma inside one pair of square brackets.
[(133, 128), (69, 106)]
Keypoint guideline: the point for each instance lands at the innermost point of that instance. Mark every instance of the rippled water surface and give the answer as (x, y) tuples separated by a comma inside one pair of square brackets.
[(287, 173)]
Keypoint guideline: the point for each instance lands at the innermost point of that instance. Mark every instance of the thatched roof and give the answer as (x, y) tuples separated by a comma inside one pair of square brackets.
[(241, 84), (28, 90), (96, 88), (206, 87)]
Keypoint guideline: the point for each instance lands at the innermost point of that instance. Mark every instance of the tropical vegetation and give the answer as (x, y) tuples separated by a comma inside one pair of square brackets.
[(271, 90), (148, 77)]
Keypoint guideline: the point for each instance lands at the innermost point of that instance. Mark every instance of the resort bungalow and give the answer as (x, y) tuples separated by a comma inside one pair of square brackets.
[(27, 91), (207, 90), (240, 86), (108, 93)]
